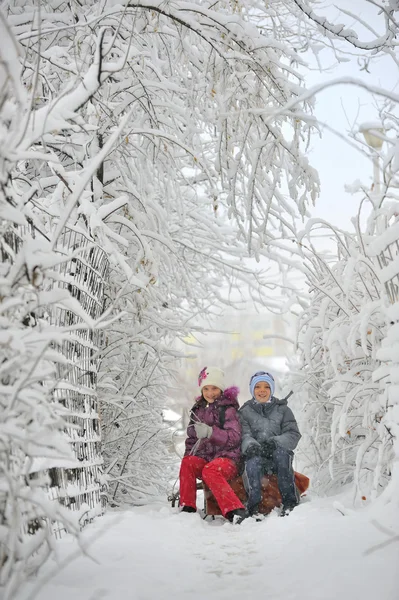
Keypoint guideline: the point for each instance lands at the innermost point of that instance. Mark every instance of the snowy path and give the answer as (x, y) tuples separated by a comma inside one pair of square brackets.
[(154, 553)]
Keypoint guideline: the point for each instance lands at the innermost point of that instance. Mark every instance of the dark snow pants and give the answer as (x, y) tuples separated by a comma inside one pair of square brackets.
[(281, 465)]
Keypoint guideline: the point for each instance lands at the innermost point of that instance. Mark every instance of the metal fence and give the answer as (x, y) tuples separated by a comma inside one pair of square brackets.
[(85, 278), (389, 258), (80, 487)]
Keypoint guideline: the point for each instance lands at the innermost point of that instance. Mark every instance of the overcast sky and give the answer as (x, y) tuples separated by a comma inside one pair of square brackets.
[(345, 107)]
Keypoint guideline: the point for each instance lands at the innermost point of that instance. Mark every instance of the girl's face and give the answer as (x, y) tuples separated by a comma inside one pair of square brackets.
[(262, 391), (211, 393)]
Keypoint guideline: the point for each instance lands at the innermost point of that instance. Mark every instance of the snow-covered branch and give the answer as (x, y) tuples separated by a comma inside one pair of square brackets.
[(339, 31)]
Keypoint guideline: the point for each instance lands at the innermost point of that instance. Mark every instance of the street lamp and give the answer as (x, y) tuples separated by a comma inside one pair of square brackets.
[(373, 134)]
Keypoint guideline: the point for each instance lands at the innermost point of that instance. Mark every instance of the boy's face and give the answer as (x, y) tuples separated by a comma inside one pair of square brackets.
[(262, 391), (211, 393)]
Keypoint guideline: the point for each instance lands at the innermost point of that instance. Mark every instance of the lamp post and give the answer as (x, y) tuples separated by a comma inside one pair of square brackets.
[(373, 134)]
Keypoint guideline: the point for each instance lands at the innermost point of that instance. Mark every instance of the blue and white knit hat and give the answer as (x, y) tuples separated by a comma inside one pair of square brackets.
[(261, 376)]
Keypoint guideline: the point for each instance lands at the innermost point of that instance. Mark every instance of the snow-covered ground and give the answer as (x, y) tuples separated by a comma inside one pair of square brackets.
[(155, 552)]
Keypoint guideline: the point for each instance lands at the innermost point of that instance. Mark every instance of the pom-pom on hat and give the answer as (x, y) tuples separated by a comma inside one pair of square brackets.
[(261, 376), (211, 376)]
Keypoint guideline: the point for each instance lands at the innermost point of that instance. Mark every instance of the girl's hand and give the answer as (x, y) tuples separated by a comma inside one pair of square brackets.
[(202, 430)]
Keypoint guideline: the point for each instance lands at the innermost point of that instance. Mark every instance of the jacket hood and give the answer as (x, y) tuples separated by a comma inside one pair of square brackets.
[(228, 398)]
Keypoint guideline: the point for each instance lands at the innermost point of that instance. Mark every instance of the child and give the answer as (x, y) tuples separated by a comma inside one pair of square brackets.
[(269, 436), (212, 445)]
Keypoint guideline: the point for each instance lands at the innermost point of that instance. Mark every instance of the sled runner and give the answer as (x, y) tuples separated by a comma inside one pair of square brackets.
[(270, 493)]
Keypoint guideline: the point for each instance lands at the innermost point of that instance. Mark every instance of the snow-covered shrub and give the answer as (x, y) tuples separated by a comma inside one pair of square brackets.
[(338, 339)]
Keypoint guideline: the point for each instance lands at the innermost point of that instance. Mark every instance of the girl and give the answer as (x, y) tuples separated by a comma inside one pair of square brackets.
[(212, 445)]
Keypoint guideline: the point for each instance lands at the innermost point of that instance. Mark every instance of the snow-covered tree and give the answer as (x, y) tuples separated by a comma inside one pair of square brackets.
[(144, 129), (172, 135), (349, 418), (32, 424), (194, 151)]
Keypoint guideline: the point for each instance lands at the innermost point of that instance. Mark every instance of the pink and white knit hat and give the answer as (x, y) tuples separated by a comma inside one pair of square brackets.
[(211, 376)]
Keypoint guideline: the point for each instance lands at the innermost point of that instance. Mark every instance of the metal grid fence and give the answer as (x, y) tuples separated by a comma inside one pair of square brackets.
[(385, 258), (85, 276)]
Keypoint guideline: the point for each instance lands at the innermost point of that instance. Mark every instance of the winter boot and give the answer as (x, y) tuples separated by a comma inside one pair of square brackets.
[(237, 516), (258, 516), (287, 508), (188, 509), (253, 511)]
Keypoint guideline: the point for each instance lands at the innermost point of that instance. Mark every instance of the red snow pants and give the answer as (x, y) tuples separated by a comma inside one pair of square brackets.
[(215, 474)]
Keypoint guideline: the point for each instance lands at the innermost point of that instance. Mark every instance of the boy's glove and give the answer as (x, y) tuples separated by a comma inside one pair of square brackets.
[(202, 430), (252, 450), (268, 448)]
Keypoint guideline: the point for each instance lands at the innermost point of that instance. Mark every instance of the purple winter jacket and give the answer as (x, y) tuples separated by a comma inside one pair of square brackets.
[(223, 443)]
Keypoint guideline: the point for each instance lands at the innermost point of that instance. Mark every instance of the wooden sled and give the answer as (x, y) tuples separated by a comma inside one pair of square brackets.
[(271, 497)]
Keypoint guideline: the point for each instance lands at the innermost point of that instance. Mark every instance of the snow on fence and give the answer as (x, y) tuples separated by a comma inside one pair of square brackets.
[(80, 488), (388, 261), (77, 486)]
